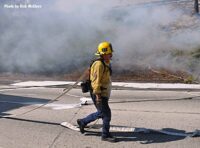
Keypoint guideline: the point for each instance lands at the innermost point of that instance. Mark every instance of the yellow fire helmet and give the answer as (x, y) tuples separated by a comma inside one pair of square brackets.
[(104, 48)]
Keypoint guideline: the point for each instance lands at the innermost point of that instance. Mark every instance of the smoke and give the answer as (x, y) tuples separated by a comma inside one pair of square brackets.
[(62, 36)]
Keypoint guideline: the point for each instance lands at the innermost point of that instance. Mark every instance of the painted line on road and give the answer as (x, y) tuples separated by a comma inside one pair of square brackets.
[(139, 130), (170, 86), (53, 106)]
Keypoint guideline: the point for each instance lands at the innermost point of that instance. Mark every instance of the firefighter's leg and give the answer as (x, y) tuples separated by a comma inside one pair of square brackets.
[(93, 116), (106, 116)]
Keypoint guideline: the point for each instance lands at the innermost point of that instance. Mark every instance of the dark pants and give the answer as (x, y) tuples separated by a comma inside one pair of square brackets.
[(103, 111)]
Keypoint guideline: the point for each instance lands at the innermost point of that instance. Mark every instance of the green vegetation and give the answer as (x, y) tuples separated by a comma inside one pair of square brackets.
[(196, 53), (192, 64)]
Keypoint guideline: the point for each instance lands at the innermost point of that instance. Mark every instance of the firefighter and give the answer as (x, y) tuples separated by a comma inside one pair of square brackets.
[(100, 78)]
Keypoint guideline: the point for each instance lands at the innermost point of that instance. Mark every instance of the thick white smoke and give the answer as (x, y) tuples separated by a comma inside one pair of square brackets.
[(62, 36)]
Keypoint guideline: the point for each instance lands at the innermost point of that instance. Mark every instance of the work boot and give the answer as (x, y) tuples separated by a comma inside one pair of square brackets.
[(109, 138), (81, 126)]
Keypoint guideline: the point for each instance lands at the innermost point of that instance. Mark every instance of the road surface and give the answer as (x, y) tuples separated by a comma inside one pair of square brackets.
[(176, 111)]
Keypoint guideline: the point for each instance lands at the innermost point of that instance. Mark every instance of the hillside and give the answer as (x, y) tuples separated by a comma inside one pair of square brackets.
[(153, 40)]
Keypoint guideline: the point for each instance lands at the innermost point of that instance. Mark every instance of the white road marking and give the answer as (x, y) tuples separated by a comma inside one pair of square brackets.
[(121, 84), (42, 83), (85, 100), (62, 106), (70, 126), (53, 106), (138, 130), (157, 85)]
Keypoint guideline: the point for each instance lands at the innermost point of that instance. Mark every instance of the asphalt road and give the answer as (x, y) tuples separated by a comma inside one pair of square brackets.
[(177, 111)]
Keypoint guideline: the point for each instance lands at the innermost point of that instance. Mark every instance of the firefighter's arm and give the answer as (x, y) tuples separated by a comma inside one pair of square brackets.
[(98, 99), (97, 77)]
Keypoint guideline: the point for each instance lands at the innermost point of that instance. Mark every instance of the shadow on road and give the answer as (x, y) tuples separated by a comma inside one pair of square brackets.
[(32, 121), (148, 138), (143, 138), (9, 102)]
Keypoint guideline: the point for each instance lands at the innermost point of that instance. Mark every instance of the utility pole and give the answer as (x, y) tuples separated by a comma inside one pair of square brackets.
[(196, 6)]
